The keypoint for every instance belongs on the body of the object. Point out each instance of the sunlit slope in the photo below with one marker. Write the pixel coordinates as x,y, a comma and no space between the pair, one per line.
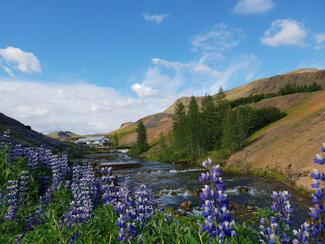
269,85
155,125
162,122
287,146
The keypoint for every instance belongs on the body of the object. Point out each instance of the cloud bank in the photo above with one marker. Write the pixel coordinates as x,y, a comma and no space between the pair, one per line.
79,107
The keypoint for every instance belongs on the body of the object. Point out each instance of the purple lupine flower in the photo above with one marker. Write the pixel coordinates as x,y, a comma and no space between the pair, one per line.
314,228
323,148
127,215
81,188
108,185
303,234
12,200
215,207
276,229
23,187
319,159
144,205
282,207
15,151
32,157
5,139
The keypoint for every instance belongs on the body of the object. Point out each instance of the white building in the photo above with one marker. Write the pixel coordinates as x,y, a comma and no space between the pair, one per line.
94,141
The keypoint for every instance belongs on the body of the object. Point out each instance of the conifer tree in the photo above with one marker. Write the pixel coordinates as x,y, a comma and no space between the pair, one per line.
179,125
142,144
229,130
209,123
221,109
116,141
194,128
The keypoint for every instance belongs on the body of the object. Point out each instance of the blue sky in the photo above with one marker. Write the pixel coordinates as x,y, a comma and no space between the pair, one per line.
88,66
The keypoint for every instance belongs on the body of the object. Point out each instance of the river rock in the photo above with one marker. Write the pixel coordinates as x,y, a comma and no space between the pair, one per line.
250,208
186,206
242,189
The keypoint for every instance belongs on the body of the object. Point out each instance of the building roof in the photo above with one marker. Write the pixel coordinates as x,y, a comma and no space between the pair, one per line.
92,138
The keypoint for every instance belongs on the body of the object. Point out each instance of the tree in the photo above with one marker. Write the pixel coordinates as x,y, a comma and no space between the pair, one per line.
179,125
229,130
162,142
222,107
208,124
142,143
194,128
116,141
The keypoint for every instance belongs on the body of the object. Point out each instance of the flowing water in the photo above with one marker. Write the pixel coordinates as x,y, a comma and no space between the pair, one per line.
176,183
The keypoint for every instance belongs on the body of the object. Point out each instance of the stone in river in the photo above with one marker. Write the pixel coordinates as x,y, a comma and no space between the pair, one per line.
187,205
243,189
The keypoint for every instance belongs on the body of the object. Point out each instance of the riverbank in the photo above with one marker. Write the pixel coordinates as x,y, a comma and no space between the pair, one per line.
242,169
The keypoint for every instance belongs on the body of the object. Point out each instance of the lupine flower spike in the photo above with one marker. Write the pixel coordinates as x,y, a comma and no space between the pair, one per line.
217,218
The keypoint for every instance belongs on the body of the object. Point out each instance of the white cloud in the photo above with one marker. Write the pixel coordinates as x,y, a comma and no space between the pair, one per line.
219,39
247,7
211,69
285,32
79,107
154,18
320,40
12,58
144,91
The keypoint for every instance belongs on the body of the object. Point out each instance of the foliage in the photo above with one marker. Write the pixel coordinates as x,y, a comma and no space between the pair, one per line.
293,88
100,211
287,89
215,125
116,141
142,143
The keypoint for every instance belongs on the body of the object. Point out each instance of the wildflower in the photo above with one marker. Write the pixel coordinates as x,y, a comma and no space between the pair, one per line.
108,187
276,229
127,216
144,205
23,186
81,188
319,159
314,227
217,218
12,200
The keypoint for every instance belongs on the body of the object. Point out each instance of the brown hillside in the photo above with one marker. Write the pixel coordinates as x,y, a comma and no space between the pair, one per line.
162,122
155,125
288,145
269,85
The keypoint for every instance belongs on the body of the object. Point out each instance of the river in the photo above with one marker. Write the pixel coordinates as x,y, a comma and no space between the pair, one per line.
176,183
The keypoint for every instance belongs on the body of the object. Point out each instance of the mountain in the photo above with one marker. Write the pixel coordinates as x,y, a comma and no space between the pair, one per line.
162,122
63,135
25,135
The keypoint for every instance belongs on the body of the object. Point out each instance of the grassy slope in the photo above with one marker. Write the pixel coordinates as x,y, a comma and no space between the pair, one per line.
287,146
161,123
155,124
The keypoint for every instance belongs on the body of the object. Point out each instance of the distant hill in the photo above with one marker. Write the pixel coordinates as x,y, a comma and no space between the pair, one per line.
162,122
63,135
25,135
